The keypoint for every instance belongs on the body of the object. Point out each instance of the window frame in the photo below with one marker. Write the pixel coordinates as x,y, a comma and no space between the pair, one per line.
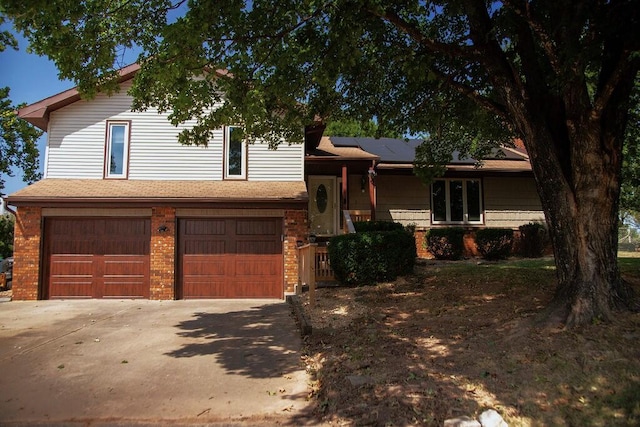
465,203
125,151
227,152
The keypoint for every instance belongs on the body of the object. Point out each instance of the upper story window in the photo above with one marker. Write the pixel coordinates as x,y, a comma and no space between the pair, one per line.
117,150
456,201
235,153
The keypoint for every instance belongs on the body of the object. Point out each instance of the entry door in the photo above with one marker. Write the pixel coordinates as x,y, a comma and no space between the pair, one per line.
323,211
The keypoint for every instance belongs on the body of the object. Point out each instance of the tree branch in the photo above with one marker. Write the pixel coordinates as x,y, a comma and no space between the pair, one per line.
545,41
472,94
503,74
622,68
433,46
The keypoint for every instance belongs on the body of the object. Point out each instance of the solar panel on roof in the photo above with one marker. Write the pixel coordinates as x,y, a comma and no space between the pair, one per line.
404,151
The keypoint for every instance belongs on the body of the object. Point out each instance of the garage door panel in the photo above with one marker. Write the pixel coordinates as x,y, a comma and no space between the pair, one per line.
97,257
210,227
71,276
256,227
72,289
205,265
71,265
73,247
257,268
122,289
125,247
126,227
125,266
206,288
70,227
249,288
245,261
195,247
258,247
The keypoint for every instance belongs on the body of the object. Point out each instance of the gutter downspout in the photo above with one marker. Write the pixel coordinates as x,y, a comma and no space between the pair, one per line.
8,209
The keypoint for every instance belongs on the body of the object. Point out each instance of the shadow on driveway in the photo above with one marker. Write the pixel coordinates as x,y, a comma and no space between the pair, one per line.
250,342
122,362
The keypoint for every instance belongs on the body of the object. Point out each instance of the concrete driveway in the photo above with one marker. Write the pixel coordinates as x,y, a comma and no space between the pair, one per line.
122,362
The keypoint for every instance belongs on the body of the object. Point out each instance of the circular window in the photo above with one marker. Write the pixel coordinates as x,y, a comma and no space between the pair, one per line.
321,198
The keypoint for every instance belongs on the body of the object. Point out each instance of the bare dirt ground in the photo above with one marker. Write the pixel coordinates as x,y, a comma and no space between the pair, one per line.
458,338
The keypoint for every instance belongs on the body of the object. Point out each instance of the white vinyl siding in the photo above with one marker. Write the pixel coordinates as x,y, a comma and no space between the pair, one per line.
283,164
76,146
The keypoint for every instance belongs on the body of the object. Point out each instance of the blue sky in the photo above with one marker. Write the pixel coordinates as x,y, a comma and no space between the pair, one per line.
31,78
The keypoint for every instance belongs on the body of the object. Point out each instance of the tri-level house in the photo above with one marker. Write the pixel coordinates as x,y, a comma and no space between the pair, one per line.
125,211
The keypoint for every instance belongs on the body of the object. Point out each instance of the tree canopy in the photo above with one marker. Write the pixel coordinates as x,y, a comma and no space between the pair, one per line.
6,235
17,138
471,73
355,128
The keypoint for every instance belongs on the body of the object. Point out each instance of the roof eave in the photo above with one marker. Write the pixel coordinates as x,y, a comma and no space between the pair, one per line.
38,113
151,201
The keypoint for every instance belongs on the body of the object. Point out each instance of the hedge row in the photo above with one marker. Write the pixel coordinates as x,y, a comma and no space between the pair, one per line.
382,250
492,243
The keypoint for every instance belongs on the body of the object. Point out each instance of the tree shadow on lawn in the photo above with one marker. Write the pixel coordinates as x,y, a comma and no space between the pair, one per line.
444,343
261,342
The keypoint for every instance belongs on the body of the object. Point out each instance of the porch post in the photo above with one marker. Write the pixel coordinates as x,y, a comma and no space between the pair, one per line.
345,197
373,197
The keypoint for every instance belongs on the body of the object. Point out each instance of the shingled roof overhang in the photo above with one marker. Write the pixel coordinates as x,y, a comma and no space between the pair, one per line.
54,192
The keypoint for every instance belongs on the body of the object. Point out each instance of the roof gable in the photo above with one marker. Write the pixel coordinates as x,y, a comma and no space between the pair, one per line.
38,113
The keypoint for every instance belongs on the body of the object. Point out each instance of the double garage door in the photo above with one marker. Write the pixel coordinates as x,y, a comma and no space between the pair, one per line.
216,258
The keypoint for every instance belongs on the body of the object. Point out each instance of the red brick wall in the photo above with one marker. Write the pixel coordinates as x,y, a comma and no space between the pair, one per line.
296,228
163,249
26,253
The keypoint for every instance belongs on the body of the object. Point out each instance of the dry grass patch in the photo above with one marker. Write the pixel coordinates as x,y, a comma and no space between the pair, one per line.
458,338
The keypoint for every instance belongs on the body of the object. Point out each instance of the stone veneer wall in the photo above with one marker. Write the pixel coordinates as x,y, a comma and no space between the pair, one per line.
26,251
162,254
296,228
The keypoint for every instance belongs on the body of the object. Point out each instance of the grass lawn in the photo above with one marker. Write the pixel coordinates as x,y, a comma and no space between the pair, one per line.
456,338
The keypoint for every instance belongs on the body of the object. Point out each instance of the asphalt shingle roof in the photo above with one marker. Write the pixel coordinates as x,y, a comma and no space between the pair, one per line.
54,189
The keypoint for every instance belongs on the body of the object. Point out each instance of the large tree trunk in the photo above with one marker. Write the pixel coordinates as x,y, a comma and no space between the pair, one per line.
579,190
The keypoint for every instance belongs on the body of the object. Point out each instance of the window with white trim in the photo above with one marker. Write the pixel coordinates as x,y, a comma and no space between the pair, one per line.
235,153
456,201
117,150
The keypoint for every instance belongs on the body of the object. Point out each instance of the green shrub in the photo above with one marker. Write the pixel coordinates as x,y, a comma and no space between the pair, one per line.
373,256
494,243
362,226
533,239
445,243
6,236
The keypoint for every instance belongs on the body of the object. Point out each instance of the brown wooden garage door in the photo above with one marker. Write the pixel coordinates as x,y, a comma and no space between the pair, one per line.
231,258
97,257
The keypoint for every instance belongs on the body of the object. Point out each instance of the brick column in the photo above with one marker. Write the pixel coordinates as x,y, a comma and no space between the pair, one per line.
296,228
163,249
26,253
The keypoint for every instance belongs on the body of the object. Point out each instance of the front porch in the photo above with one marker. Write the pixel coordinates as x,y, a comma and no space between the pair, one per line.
313,258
